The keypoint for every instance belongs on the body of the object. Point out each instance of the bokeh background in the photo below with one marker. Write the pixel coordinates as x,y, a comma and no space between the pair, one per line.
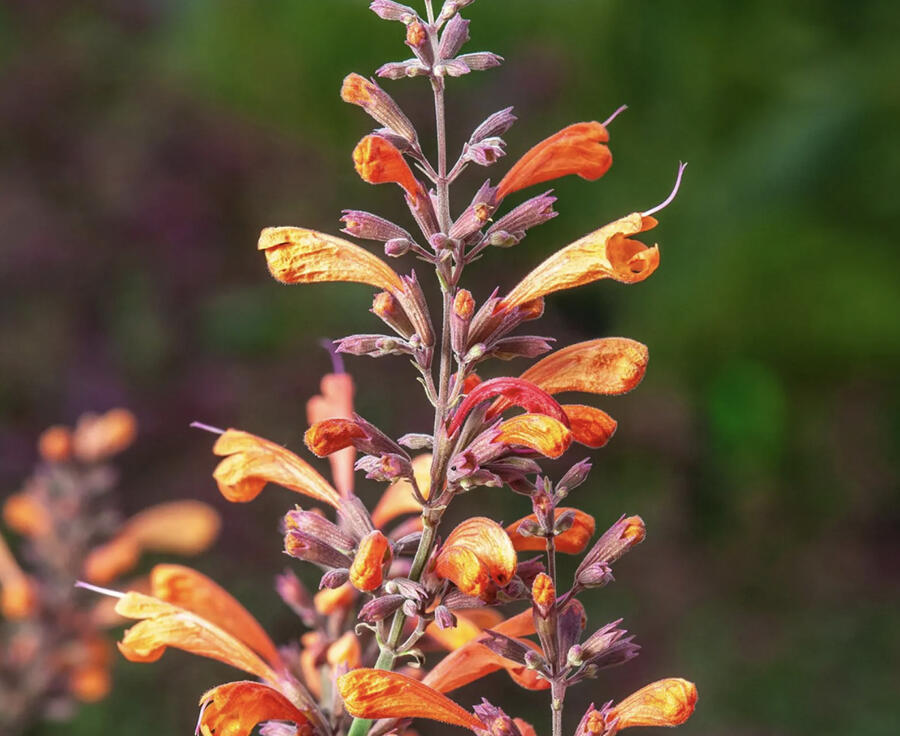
144,144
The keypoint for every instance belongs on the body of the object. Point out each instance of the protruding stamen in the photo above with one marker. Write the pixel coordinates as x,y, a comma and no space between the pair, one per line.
98,589
207,428
616,114
337,362
668,200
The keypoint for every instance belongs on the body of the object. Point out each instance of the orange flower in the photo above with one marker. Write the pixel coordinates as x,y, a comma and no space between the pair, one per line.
163,625
90,684
181,527
369,693
573,541
668,702
328,600
378,161
543,594
478,557
469,625
335,400
87,664
251,462
97,437
193,591
357,90
332,435
235,708
300,256
576,149
591,427
604,253
55,444
27,516
345,650
366,572
538,432
398,499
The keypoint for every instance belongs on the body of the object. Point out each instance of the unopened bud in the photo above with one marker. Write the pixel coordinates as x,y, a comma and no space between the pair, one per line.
564,521
595,576
503,239
528,528
463,309
334,578
494,125
480,60
365,225
389,10
455,34
574,477
444,618
544,595
385,306
410,608
396,247
575,656
533,660
485,152
380,608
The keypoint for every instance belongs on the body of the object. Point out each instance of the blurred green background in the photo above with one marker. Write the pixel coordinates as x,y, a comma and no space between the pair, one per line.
144,144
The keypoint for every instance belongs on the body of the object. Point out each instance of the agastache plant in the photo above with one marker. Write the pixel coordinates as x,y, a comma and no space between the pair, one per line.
391,586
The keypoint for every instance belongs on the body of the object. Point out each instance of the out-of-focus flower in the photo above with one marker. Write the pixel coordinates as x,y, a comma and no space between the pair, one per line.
478,557
18,592
99,436
24,514
55,444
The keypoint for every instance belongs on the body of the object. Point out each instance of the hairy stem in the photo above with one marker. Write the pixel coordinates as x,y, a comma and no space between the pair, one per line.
557,685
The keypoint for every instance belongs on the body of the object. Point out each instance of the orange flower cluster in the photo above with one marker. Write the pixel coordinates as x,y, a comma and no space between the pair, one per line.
397,586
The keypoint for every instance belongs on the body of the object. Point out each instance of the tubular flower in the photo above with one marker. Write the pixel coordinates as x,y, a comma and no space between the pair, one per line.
478,557
366,572
180,527
668,702
27,516
165,625
369,693
378,161
543,434
335,400
235,708
55,444
357,90
193,591
576,149
605,253
345,650
573,541
299,256
251,462
18,594
98,436
513,391
399,498
332,435
590,426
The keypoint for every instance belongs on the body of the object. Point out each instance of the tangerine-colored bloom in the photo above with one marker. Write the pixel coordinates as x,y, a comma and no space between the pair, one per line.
181,527
163,625
18,592
590,426
27,516
469,626
367,570
87,665
605,253
99,436
369,693
335,400
576,149
543,594
573,541
378,161
537,432
329,600
668,702
235,709
478,557
399,499
332,435
514,391
345,650
251,462
193,591
299,256
55,444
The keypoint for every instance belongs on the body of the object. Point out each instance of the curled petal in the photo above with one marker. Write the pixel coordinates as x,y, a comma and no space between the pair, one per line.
374,694
576,149
235,708
537,432
604,253
668,702
478,557
573,541
193,591
251,462
367,570
299,256
399,498
591,427
335,400
165,625
514,391
332,435
378,161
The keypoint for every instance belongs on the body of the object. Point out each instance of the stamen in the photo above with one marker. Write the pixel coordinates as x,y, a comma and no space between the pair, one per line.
612,117
207,428
98,589
668,200
200,718
337,362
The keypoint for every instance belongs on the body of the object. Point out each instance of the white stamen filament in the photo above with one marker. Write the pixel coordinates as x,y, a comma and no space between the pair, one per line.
612,117
98,589
668,200
207,428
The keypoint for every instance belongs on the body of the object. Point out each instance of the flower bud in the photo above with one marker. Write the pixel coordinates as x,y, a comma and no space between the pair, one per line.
307,547
402,69
365,225
480,60
575,656
618,539
455,34
460,317
410,608
496,722
534,661
380,608
358,90
444,618
530,213
494,125
295,595
389,10
386,306
334,579
544,595
367,570
396,247
485,152
574,477
594,576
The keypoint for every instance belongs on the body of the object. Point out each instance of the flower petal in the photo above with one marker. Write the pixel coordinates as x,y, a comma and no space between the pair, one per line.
251,462
367,570
378,161
573,541
469,625
576,149
335,400
473,661
668,702
193,591
604,253
299,256
369,693
537,432
331,435
513,391
590,427
235,708
478,557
